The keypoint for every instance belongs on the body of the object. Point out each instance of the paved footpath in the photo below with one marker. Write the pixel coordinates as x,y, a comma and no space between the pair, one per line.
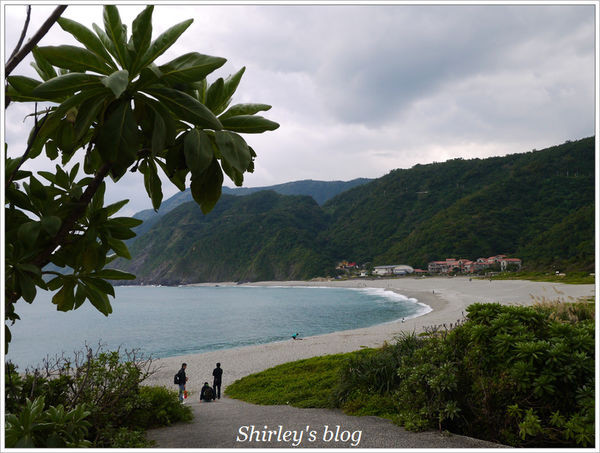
229,423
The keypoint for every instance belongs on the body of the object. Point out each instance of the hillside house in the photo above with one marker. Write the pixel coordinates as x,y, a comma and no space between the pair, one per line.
468,267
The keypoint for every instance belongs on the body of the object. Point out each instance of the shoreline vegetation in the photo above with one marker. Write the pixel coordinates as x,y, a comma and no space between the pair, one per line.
521,376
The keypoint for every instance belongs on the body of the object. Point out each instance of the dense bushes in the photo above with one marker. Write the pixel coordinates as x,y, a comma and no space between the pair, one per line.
521,376
96,401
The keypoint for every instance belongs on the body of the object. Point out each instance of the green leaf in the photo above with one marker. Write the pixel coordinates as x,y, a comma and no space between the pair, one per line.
117,82
163,42
92,258
152,183
206,187
115,207
106,42
98,299
127,222
215,95
86,37
191,67
142,30
164,131
114,274
230,85
119,248
198,151
43,67
118,137
65,138
15,96
116,32
244,109
234,150
65,85
51,150
24,86
65,299
27,287
236,176
249,124
159,134
29,232
99,284
51,224
87,114
74,58
186,107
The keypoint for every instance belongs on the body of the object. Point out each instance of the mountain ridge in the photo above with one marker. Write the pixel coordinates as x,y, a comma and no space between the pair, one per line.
537,205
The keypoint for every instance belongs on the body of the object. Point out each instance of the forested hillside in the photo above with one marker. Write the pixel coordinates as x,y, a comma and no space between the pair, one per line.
321,191
264,236
538,206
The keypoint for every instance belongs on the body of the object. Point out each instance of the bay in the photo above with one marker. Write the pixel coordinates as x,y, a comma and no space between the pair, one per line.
170,321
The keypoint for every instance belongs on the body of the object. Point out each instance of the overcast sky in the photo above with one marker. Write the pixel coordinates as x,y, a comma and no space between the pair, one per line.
360,90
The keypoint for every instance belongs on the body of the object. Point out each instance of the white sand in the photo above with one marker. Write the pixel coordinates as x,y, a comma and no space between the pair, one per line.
448,297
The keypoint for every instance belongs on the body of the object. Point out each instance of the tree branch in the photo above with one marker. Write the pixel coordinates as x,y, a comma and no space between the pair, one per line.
23,33
13,61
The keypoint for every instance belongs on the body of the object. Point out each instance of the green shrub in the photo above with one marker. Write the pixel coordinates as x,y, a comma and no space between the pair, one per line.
108,384
372,371
158,406
521,376
52,428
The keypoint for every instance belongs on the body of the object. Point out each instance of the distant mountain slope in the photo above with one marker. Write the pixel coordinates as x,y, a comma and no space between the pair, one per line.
263,236
321,191
464,208
538,206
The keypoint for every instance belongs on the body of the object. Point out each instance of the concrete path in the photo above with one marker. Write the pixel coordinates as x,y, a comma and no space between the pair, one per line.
229,423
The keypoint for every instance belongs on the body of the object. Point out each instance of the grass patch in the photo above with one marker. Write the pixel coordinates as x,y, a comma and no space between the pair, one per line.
304,383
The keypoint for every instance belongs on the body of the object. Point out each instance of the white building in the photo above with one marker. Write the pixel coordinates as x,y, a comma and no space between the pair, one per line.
393,269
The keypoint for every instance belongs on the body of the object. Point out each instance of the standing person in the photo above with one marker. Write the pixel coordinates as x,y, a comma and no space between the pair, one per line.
181,379
217,375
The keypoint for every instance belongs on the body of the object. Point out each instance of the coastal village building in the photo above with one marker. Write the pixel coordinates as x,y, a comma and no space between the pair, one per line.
468,267
393,269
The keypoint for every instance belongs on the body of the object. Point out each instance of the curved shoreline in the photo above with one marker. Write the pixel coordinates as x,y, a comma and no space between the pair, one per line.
448,298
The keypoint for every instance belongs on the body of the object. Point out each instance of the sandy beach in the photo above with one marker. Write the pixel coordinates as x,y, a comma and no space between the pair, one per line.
448,298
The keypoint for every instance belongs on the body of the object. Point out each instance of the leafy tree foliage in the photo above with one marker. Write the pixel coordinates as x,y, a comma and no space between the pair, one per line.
113,107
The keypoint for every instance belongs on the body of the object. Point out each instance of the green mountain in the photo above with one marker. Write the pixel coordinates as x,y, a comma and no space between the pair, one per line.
321,191
469,208
263,236
538,206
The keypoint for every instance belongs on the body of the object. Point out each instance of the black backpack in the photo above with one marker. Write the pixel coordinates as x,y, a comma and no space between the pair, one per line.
176,379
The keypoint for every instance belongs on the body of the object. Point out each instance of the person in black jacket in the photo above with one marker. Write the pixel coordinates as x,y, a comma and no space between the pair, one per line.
207,394
181,379
217,375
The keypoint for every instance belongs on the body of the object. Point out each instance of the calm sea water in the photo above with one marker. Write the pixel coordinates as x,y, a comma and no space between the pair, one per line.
169,321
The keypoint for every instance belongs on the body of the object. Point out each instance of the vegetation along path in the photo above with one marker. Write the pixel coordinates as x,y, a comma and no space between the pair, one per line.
227,423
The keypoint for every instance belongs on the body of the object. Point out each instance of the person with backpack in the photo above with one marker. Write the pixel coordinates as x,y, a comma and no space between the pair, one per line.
207,394
180,379
217,375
